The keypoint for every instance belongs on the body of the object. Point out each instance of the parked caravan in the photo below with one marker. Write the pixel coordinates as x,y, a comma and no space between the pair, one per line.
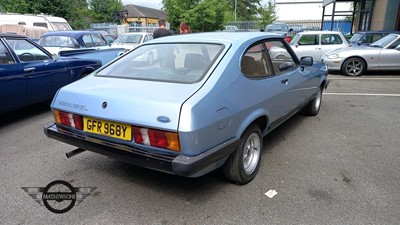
28,31
52,23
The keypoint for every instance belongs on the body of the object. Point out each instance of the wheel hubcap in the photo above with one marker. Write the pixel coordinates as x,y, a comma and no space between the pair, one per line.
318,100
251,153
354,67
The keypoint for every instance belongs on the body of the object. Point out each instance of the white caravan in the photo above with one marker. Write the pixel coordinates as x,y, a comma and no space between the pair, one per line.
52,23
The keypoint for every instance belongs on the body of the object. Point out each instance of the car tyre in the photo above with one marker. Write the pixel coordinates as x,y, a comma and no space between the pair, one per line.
312,108
354,67
242,165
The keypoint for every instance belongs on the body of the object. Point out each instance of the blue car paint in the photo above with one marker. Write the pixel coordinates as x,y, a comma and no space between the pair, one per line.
25,83
208,115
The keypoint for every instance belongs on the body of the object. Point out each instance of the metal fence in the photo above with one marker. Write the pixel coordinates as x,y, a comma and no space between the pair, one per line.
338,25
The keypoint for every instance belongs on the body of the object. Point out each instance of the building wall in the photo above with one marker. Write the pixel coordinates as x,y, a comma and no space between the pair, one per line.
385,14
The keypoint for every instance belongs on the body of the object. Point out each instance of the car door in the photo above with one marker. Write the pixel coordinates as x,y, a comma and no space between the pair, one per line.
389,58
308,45
296,79
43,75
12,80
330,42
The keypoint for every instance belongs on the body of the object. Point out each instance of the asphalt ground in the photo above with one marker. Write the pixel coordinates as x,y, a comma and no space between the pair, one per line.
340,167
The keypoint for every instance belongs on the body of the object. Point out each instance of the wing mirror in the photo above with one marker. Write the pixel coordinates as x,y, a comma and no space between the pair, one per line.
55,57
398,47
306,61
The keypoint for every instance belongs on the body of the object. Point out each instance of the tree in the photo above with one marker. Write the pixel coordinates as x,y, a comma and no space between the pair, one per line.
104,10
267,14
201,15
13,6
245,9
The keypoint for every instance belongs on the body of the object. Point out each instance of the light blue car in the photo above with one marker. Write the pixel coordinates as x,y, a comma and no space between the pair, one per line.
200,102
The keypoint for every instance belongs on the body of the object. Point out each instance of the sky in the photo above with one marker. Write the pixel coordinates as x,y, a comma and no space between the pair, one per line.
285,12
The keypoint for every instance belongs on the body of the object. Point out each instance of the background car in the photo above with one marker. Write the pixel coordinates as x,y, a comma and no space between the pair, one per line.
29,74
365,38
206,103
80,44
296,28
280,28
383,54
132,40
317,43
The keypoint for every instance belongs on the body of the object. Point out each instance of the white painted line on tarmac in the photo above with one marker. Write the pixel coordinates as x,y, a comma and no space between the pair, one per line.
360,94
363,78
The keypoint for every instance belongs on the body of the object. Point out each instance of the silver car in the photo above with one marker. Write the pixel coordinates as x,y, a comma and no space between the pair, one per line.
383,54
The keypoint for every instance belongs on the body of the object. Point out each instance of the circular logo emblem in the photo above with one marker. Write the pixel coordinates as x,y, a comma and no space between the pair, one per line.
104,105
59,196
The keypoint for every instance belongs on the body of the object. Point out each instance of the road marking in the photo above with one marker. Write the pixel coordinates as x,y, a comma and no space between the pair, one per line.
361,94
363,78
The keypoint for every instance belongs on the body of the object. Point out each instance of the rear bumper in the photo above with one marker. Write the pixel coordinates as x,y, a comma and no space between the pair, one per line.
190,166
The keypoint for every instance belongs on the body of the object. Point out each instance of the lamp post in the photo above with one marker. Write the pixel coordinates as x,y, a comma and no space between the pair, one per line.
235,9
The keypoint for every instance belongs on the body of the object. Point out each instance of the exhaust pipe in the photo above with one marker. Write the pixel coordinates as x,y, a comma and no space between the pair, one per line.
74,152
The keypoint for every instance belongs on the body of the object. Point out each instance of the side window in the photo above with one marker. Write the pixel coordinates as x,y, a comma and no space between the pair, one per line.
40,25
309,39
395,44
5,56
98,40
87,39
254,63
367,38
281,59
26,51
376,37
146,38
331,39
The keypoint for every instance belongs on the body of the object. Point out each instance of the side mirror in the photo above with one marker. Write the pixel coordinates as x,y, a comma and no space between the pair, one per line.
306,61
398,47
296,45
291,29
55,57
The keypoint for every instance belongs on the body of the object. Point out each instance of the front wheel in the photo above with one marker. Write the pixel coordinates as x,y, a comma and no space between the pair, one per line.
242,165
354,67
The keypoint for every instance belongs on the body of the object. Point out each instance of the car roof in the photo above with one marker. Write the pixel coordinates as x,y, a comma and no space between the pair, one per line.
69,33
378,31
11,35
133,33
217,37
320,32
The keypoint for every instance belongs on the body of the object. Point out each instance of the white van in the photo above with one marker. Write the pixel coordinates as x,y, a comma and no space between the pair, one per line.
52,23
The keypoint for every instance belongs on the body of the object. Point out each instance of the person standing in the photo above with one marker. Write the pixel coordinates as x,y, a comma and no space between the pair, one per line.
184,29
162,30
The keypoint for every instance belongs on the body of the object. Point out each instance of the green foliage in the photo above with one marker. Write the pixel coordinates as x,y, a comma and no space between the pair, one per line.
15,6
245,9
267,14
104,10
200,15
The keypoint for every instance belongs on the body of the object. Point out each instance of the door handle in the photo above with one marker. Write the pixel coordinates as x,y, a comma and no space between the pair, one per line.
29,69
285,81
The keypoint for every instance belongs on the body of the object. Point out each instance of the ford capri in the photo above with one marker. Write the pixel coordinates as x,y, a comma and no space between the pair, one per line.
29,74
205,103
384,54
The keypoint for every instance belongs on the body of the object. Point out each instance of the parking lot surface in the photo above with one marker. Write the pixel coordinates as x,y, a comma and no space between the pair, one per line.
340,167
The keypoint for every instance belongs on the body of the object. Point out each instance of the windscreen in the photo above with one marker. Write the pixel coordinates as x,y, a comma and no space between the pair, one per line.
166,62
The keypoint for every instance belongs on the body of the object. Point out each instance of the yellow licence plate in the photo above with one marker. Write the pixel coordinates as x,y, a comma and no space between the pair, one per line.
107,128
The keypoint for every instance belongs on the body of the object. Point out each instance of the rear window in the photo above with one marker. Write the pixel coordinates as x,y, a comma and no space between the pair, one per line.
177,62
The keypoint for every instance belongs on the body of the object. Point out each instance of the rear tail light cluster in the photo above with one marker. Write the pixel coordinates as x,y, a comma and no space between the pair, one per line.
68,119
156,138
145,136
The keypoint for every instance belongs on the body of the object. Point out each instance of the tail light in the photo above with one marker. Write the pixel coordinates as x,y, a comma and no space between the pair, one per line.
68,119
157,138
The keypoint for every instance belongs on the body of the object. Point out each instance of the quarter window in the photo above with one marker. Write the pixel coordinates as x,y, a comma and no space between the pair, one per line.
254,63
5,56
